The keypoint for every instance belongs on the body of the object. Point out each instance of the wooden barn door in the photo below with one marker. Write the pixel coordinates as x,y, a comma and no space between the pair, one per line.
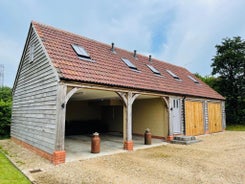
194,122
214,117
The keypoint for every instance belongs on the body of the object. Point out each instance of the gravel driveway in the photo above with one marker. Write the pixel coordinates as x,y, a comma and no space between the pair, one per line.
218,158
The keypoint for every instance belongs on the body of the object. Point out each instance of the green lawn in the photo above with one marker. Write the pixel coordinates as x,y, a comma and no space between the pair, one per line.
9,174
236,127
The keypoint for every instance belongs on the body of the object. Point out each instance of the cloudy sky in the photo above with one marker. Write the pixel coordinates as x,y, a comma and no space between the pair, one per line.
182,32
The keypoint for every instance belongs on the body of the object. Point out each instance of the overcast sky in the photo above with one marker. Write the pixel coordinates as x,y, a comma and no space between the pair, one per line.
182,32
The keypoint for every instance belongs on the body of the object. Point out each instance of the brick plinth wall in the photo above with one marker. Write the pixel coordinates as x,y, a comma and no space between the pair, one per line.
57,157
170,138
128,145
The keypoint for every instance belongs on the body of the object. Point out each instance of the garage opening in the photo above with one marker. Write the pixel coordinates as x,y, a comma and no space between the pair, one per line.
98,115
89,111
150,112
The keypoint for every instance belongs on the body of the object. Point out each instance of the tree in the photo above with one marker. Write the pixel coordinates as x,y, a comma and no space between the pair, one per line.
5,94
229,65
5,111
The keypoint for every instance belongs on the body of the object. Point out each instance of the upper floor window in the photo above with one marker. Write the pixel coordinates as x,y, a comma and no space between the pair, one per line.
80,51
32,50
173,75
193,79
154,70
129,64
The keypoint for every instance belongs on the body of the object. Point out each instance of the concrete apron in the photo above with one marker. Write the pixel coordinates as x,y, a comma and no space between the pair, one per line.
78,147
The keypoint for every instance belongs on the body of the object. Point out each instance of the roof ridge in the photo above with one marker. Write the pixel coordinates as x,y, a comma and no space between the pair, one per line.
70,33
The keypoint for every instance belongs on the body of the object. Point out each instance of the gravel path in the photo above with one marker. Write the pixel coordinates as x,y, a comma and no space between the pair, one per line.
218,158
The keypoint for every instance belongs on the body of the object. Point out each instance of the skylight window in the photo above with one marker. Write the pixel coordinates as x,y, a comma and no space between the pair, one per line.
173,75
80,51
154,70
129,64
193,79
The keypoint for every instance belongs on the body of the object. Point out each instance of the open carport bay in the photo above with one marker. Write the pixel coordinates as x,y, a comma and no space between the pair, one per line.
101,111
90,111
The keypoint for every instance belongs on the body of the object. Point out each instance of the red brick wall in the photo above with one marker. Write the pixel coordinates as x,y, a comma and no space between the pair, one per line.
128,145
57,157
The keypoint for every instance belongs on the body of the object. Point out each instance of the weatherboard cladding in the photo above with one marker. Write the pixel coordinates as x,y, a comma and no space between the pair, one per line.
34,99
108,68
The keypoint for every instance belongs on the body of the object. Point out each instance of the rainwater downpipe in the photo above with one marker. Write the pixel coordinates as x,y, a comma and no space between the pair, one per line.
183,112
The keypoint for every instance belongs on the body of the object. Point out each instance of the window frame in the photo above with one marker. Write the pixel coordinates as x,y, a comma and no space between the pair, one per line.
176,77
153,69
81,52
193,79
129,64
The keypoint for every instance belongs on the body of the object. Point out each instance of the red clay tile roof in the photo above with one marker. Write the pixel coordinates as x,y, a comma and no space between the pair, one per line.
108,68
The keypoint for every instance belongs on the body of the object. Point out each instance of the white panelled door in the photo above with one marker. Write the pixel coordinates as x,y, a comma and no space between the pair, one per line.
175,115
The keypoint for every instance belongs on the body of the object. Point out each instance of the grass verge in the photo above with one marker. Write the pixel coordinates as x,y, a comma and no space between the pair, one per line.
235,127
9,173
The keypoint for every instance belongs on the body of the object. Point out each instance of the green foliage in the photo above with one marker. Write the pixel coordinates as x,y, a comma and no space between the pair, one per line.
9,174
5,111
229,65
5,94
236,127
212,81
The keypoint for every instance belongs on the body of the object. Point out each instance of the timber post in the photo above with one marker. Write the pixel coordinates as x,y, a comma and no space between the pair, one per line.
128,99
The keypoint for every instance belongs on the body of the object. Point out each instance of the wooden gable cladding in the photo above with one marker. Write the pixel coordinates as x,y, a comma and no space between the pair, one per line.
35,98
214,117
194,118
